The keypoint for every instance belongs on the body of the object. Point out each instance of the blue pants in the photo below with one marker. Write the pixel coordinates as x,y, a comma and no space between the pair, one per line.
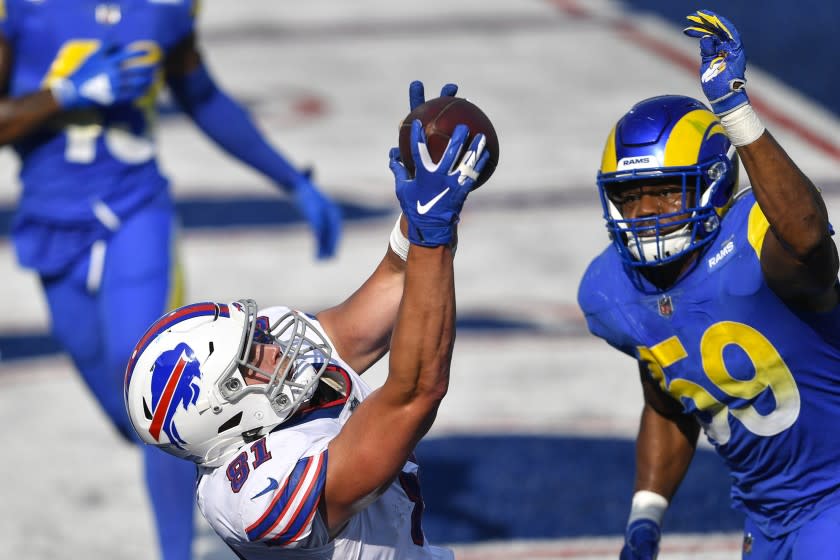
98,325
818,539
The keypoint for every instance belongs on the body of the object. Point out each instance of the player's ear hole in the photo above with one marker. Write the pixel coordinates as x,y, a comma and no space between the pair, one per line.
146,412
232,423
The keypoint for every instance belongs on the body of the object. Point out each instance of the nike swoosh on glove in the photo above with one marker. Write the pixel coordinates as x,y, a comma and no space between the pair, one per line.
432,200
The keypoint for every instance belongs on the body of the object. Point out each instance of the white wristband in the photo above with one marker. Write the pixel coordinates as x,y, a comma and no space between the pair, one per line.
647,505
742,126
399,242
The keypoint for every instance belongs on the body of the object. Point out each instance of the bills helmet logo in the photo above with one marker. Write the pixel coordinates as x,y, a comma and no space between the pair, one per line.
174,383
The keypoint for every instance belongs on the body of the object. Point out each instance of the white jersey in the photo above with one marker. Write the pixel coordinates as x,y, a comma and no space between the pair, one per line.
263,501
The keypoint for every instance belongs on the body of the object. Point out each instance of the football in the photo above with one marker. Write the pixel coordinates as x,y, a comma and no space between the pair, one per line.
439,117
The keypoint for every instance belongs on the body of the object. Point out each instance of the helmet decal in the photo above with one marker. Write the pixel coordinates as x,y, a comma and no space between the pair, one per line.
185,390
676,140
167,321
174,379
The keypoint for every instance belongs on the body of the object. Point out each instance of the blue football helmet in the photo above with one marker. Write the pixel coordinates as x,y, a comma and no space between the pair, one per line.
670,137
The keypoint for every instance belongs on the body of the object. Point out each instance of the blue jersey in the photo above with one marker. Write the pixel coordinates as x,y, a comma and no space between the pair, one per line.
761,378
82,160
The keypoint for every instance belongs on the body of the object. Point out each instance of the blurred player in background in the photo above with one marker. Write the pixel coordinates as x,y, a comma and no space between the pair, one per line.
297,456
79,82
728,300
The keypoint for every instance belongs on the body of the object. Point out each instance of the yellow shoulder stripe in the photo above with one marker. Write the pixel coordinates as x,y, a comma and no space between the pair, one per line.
757,226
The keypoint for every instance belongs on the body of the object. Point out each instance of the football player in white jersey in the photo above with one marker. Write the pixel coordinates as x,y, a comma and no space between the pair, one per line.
297,457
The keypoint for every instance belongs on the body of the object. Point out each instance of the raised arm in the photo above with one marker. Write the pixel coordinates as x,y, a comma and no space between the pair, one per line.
378,438
361,326
798,256
664,449
224,121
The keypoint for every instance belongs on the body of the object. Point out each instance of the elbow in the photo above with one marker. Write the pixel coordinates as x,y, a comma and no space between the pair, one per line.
821,255
809,240
433,390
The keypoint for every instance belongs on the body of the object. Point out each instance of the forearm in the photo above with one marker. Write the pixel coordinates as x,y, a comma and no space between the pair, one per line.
230,126
664,449
424,336
361,326
23,115
375,442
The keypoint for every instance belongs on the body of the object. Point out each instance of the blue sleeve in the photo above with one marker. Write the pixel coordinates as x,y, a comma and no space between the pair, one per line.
7,10
600,310
230,126
177,21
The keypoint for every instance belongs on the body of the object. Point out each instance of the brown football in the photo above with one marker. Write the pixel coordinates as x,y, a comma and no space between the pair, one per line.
439,117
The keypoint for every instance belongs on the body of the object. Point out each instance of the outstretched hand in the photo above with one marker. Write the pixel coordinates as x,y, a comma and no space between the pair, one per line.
417,93
109,76
432,200
323,215
723,61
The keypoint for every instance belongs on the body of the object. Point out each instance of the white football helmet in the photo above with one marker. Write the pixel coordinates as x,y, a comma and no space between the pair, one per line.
184,388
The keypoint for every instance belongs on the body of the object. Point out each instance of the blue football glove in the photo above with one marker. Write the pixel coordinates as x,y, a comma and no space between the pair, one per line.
417,94
109,76
723,61
323,215
433,198
641,540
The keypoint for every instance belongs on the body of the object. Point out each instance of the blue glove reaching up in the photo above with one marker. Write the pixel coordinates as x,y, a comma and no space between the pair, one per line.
417,94
723,61
641,540
433,198
109,76
323,215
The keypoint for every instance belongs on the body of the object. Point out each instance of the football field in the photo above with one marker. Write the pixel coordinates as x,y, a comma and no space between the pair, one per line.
531,456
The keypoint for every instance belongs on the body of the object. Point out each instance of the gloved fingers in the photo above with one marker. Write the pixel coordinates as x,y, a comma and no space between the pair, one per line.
483,158
450,158
416,94
449,90
324,222
419,148
709,23
135,84
723,26
472,163
138,76
125,57
709,46
329,230
396,165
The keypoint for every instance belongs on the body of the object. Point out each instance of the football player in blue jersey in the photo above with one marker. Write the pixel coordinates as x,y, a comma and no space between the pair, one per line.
727,298
78,82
